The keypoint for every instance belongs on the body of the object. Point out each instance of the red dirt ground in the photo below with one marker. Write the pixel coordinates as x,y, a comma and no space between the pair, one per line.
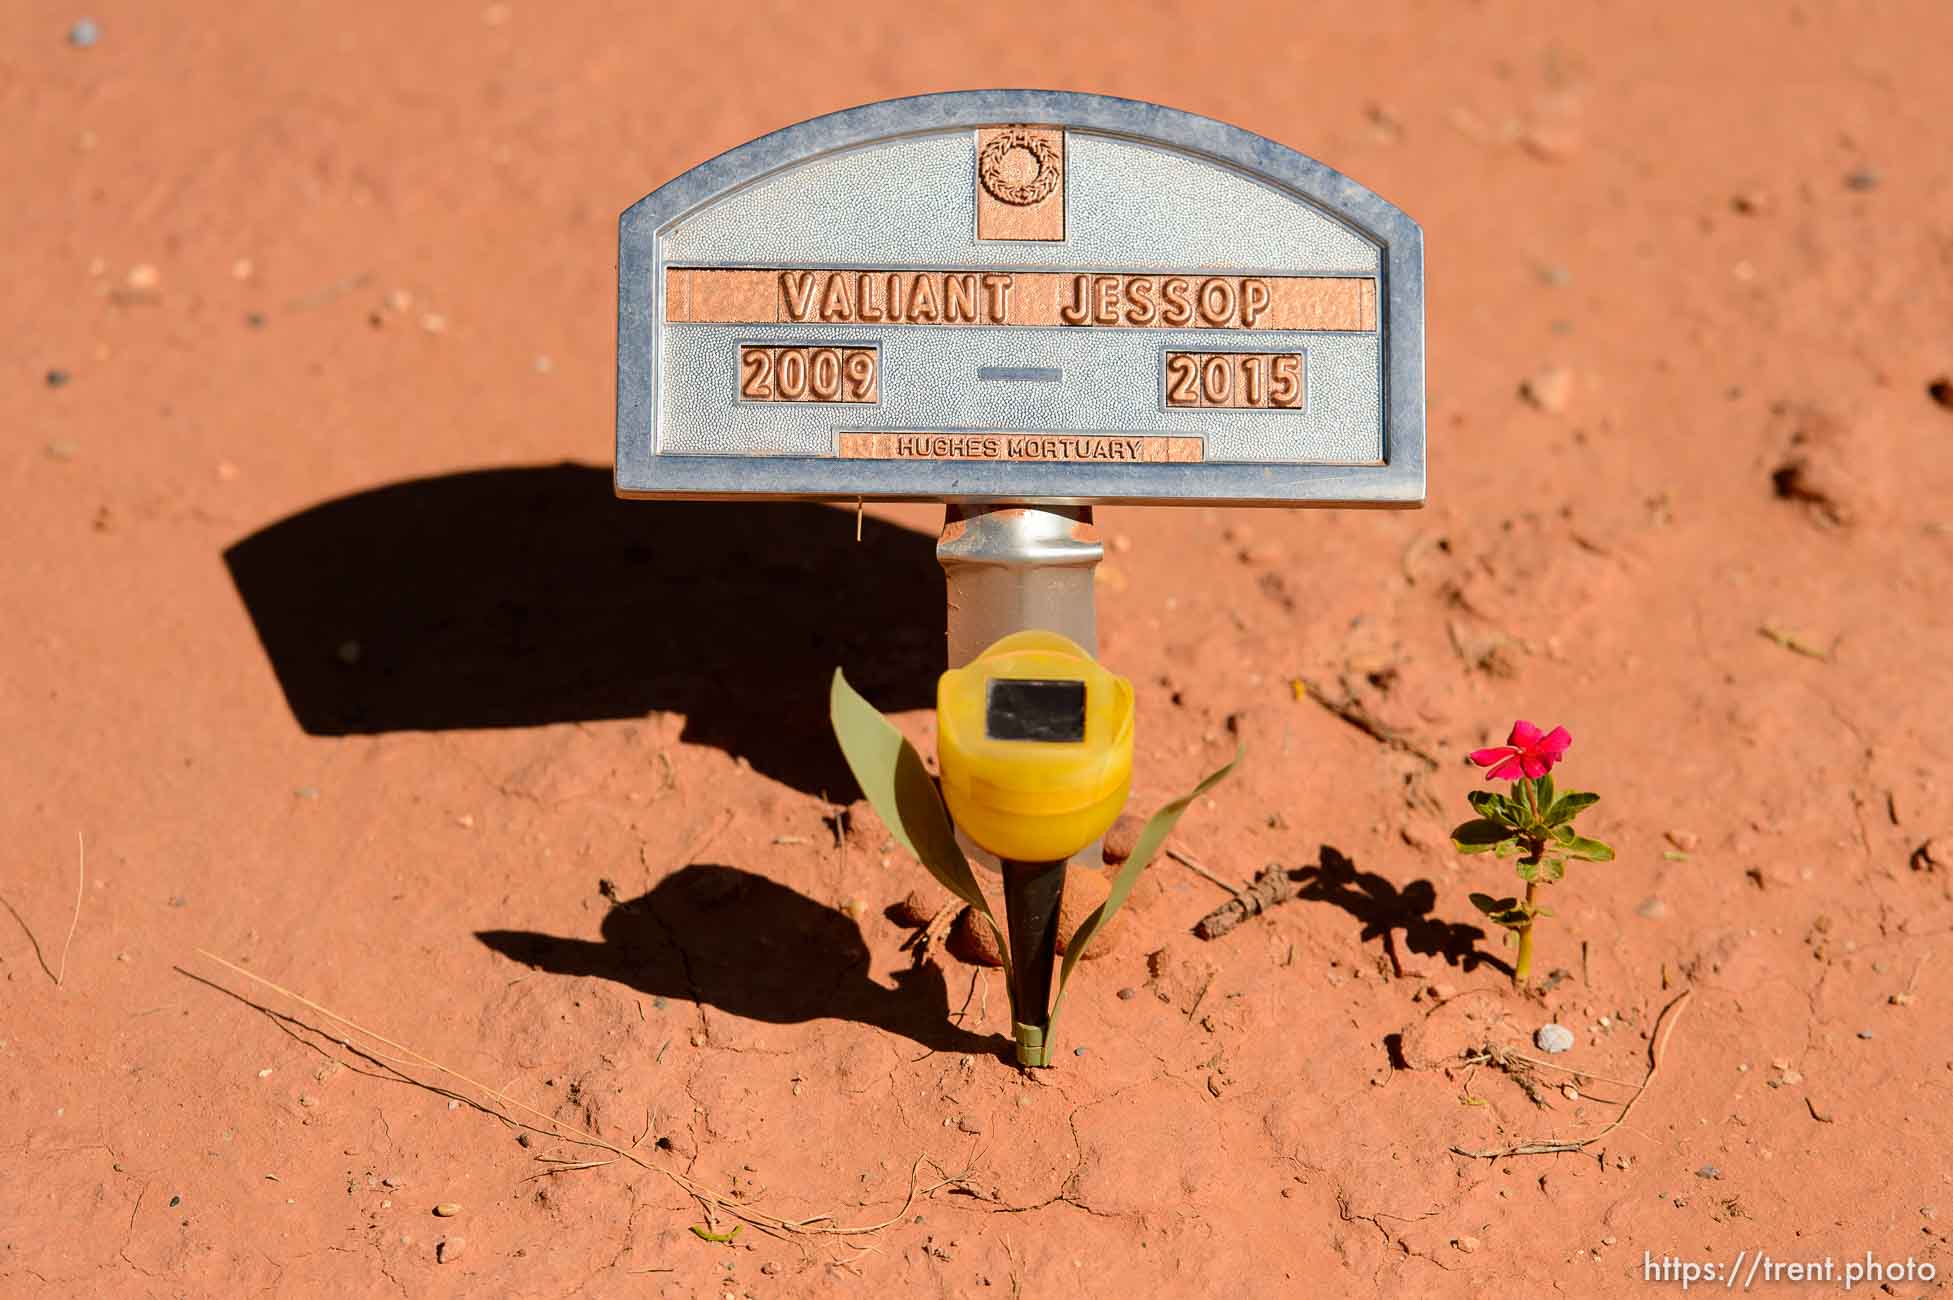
318,623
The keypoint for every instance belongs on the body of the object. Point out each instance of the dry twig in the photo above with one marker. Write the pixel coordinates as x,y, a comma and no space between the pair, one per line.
549,1126
1657,1048
1191,863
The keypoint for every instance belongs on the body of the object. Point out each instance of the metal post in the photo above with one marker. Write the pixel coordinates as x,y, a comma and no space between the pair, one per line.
1016,567
1010,568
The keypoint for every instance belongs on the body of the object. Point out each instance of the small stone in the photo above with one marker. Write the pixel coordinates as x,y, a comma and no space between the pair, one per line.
771,1268
307,1099
57,378
1553,1038
446,1210
1792,1077
84,33
1941,391
1120,841
914,909
1901,999
1780,1063
1441,992
449,1249
1550,390
390,1181
1865,1033
855,908
1609,1240
972,940
1465,1244
970,1124
242,269
1862,179
143,278
1128,994
1708,1172
1686,841
1570,1092
1651,908
1078,1051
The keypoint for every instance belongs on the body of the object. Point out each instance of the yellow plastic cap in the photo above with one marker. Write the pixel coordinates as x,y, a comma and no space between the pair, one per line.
1030,772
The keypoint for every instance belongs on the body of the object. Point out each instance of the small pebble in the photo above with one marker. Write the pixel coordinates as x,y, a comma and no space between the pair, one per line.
446,1210
175,1201
390,1181
1708,1171
1553,1038
1901,999
450,1248
84,33
1862,179
1466,1244
1652,909
1079,1051
1550,390
57,378
771,1268
970,1124
1127,995
143,277
1864,1033
1570,1092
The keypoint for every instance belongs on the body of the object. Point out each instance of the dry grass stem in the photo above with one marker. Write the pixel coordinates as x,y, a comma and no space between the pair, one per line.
1657,1049
549,1126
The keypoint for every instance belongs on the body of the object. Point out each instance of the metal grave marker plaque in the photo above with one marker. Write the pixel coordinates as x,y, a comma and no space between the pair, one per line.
1023,296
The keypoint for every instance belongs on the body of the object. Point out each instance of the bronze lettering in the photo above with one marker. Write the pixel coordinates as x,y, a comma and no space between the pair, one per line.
1140,309
1105,299
1177,308
997,289
797,293
1077,311
1217,301
835,303
922,301
867,305
896,311
1254,301
959,298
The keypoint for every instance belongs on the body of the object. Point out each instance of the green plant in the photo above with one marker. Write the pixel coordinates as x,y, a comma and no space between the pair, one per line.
1533,824
902,792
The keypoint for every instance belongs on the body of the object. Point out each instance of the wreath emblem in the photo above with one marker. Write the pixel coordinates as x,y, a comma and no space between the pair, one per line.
990,168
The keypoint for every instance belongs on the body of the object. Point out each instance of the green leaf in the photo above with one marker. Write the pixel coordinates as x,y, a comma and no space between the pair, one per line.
1494,807
1507,848
898,786
1508,912
1479,835
1589,850
1528,871
1568,806
1555,869
1543,791
1564,834
1151,836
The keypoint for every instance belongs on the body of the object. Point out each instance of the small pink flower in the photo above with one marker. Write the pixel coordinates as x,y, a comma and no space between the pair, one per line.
1526,753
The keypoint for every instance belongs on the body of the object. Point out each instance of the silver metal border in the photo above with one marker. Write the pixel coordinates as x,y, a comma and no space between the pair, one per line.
1398,482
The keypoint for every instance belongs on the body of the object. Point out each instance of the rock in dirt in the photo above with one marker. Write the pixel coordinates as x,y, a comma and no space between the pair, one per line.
920,906
1941,391
1934,854
446,1210
972,940
1553,1038
449,1249
1817,469
1550,390
1122,838
1085,892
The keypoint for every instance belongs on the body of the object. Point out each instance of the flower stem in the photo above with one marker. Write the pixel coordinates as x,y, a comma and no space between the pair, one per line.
1522,965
